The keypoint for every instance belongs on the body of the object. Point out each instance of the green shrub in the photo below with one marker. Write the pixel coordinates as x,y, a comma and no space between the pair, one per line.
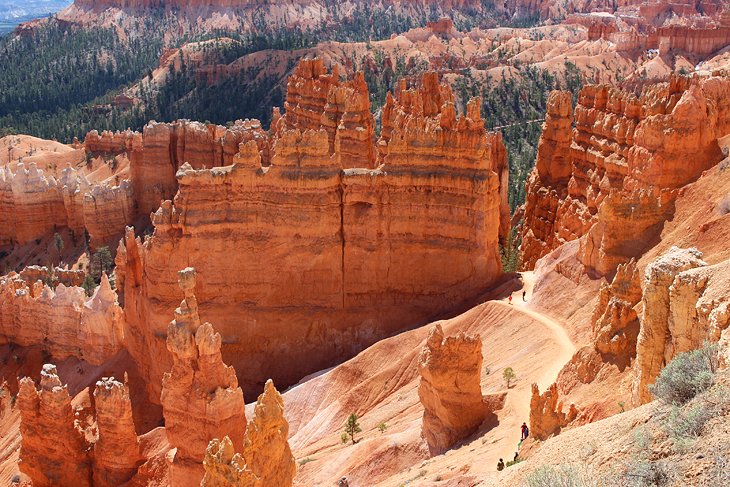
561,476
687,375
645,473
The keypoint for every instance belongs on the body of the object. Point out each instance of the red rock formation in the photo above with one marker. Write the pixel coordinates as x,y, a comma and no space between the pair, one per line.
67,277
64,321
107,211
224,467
326,253
699,308
54,451
353,144
109,142
162,149
615,322
628,157
266,446
266,458
450,389
547,185
655,329
318,100
40,204
200,397
116,451
674,142
546,413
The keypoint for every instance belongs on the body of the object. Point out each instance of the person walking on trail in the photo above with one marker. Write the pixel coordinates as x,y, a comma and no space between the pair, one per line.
510,299
500,465
525,431
343,482
524,293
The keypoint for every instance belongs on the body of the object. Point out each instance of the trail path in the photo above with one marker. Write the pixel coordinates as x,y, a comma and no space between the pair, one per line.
518,399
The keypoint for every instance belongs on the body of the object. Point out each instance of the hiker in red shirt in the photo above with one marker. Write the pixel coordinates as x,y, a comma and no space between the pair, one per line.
525,431
510,299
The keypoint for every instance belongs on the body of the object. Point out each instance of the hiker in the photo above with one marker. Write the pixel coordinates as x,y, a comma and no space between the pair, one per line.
525,431
524,293
515,458
343,482
500,465
510,299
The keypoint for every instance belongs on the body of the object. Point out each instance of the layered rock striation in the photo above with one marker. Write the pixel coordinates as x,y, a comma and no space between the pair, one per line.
450,389
629,156
332,258
34,204
63,320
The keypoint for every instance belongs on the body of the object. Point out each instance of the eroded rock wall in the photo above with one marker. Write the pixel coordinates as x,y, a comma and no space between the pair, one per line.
629,156
654,336
38,205
63,320
331,258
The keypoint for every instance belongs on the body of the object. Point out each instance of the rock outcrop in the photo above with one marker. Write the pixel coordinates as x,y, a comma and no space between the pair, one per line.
547,417
54,451
450,389
547,185
651,350
162,148
699,301
200,397
116,451
266,458
629,156
615,322
333,259
36,204
63,320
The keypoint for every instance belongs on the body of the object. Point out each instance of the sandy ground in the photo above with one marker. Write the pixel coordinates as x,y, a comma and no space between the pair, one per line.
381,383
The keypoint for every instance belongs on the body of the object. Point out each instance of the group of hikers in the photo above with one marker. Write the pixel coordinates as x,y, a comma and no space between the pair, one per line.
525,433
524,297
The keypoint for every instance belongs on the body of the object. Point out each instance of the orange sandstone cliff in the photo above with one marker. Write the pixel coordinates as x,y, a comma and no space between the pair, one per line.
628,157
331,257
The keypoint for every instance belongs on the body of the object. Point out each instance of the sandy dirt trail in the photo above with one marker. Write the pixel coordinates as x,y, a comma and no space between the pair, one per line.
518,399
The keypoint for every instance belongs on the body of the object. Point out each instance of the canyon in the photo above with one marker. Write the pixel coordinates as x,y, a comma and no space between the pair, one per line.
202,304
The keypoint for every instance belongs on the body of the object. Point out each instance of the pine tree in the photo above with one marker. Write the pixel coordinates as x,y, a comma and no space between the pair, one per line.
352,427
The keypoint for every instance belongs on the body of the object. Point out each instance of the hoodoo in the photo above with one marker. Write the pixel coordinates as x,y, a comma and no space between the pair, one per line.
200,398
449,390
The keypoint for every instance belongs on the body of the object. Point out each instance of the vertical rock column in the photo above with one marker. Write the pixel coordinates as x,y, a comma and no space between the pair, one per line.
450,390
266,460
53,451
654,333
200,397
116,452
